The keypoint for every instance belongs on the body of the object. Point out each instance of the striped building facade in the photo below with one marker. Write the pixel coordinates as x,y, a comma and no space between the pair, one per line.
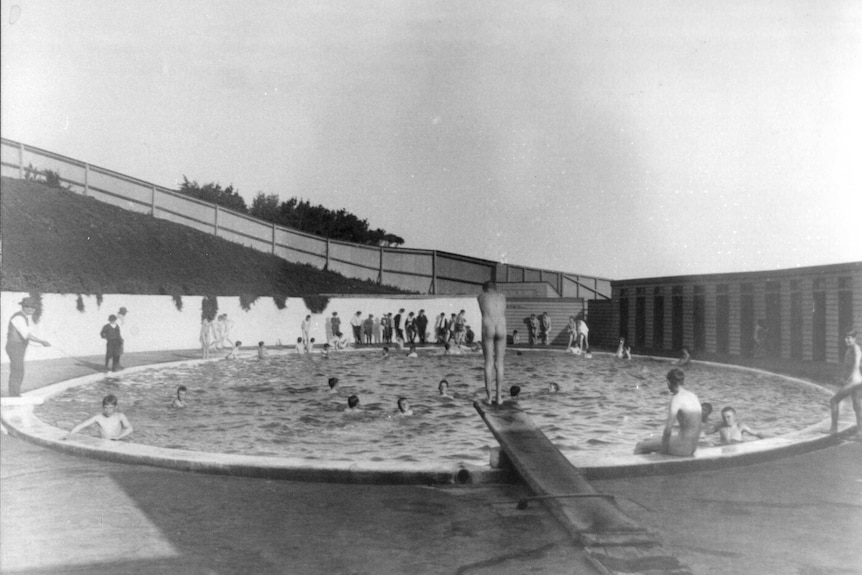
805,312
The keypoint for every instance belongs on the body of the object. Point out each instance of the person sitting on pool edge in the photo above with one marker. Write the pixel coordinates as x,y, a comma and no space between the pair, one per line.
112,424
180,399
404,406
685,408
731,430
234,351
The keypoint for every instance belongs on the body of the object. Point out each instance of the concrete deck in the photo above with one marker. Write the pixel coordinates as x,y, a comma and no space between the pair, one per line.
64,514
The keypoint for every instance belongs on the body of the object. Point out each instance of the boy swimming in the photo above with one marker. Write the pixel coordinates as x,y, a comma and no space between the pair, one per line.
180,399
112,424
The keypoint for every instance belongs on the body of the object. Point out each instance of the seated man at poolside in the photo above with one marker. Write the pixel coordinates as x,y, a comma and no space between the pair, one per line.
731,430
404,406
112,424
684,408
180,399
492,304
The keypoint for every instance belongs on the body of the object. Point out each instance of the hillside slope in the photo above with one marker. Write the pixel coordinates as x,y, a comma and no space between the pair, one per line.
56,241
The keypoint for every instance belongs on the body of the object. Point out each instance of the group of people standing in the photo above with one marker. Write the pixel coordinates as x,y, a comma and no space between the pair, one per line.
539,329
215,335
408,328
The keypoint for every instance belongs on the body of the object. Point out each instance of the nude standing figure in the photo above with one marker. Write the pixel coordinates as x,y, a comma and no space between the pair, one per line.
493,306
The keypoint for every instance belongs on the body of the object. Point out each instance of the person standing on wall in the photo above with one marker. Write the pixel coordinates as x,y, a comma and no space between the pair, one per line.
422,326
19,335
114,343
399,333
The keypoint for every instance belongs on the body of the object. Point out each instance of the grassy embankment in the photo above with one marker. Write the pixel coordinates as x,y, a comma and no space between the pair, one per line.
56,241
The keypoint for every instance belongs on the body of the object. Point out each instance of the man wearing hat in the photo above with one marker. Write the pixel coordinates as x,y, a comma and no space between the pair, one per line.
17,339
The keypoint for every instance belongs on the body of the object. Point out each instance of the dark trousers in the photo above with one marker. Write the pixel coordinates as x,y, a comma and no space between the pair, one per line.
112,352
16,352
357,333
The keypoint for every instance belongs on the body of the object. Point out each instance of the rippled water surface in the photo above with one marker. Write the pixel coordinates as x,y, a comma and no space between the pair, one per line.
281,405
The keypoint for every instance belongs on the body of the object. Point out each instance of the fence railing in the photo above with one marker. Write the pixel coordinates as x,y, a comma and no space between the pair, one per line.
423,271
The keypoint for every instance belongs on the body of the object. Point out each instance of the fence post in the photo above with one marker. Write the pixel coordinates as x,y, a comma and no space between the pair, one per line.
380,270
273,238
20,160
153,201
86,179
326,265
215,225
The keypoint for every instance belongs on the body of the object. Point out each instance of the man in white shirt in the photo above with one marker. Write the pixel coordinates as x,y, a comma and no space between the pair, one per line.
18,337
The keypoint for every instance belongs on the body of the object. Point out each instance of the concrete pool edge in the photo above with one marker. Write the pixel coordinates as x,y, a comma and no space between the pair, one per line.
19,418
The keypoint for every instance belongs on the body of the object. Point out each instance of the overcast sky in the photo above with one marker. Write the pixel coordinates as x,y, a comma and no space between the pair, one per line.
621,139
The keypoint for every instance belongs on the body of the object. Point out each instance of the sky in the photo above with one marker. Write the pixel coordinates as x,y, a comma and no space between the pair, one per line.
620,139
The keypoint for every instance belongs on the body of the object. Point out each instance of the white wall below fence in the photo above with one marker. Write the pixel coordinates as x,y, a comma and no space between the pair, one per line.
154,323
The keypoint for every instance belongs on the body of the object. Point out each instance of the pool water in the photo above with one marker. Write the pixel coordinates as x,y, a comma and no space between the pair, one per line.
281,405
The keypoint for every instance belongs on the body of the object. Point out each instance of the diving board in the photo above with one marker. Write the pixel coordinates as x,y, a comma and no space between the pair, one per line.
613,542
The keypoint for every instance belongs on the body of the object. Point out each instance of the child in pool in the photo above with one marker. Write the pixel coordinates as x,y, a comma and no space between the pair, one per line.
112,424
180,399
353,404
261,351
412,352
234,352
443,388
333,384
404,406
624,351
300,346
731,430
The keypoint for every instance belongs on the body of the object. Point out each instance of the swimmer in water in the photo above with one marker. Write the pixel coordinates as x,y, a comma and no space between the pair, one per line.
492,304
554,387
333,384
353,403
515,391
684,358
623,351
261,351
325,351
443,388
731,430
412,352
180,399
684,408
300,346
404,406
112,424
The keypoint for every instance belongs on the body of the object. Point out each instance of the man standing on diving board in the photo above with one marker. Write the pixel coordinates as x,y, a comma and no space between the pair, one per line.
493,306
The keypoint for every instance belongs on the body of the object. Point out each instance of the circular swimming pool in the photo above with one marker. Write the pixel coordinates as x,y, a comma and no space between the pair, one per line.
282,405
